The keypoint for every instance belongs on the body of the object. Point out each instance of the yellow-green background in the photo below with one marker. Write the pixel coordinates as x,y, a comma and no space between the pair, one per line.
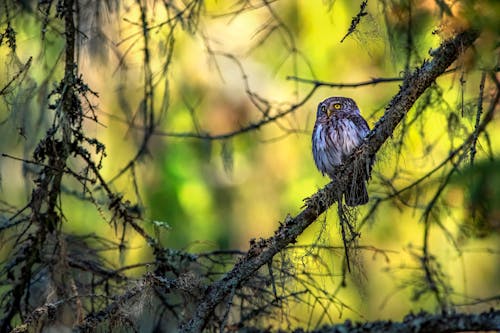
183,181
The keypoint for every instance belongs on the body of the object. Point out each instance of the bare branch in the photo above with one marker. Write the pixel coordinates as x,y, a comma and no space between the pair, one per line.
356,19
422,322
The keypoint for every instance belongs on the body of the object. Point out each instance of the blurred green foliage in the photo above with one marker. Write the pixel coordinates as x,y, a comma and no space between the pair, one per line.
481,184
218,194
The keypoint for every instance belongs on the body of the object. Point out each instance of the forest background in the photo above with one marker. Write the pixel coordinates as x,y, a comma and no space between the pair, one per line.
152,149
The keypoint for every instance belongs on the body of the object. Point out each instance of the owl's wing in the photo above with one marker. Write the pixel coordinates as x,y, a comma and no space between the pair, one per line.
363,130
360,123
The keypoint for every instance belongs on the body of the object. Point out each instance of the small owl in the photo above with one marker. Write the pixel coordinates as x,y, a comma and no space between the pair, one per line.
339,128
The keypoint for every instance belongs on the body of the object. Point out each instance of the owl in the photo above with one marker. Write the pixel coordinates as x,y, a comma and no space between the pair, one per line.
339,128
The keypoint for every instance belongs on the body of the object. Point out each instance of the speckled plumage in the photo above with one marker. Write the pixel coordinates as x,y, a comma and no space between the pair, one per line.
339,128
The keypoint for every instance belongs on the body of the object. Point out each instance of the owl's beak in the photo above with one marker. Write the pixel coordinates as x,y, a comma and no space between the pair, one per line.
329,112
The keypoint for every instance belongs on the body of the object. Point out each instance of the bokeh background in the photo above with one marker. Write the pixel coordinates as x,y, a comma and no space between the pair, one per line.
200,194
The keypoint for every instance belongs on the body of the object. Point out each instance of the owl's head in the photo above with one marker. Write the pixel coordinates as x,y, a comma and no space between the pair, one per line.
332,105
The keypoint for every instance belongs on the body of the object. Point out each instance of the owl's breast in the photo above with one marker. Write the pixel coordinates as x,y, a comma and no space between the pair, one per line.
347,135
335,140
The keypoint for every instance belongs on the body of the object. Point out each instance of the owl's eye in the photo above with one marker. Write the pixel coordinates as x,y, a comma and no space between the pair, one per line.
337,106
323,108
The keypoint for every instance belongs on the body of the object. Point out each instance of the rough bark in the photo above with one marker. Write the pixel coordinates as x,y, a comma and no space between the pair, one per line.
421,323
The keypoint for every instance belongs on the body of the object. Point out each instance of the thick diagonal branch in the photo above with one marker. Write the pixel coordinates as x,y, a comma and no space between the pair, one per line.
263,251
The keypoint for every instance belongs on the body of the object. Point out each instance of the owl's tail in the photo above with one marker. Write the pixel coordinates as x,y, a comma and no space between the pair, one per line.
356,194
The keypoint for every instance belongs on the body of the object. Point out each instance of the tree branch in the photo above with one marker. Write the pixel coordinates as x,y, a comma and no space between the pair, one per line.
422,323
263,251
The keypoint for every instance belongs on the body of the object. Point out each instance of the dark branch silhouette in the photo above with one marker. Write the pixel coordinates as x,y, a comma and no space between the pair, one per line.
421,322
